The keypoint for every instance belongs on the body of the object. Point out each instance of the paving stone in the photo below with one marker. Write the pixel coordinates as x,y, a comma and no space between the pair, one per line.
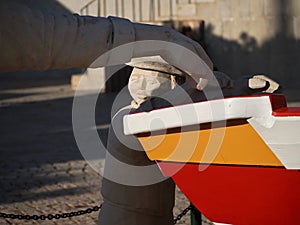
45,180
57,181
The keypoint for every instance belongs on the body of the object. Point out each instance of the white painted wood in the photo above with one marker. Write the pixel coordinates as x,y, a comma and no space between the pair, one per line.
197,113
282,135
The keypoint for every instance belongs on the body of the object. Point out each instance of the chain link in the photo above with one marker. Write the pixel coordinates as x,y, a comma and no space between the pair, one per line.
50,216
71,214
182,214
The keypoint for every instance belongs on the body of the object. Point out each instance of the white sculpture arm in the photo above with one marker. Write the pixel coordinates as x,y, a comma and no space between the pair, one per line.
34,40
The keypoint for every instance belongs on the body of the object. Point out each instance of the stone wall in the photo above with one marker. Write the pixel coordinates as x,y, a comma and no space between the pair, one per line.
244,37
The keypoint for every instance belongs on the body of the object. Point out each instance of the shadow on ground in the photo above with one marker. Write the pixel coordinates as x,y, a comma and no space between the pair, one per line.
37,144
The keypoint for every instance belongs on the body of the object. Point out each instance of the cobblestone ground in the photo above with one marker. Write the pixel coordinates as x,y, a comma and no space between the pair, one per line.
41,168
25,189
49,188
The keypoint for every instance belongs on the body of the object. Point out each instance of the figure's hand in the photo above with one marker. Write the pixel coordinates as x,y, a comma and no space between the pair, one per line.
183,53
162,33
263,82
153,47
248,85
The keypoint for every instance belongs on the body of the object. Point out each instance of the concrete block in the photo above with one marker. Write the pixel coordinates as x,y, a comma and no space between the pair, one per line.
228,29
235,8
75,80
268,26
186,10
213,29
269,7
244,8
296,27
259,28
218,28
289,7
183,1
248,42
207,11
225,9
92,10
91,80
164,8
287,27
243,32
74,5
257,8
294,7
145,10
110,9
130,10
272,8
204,1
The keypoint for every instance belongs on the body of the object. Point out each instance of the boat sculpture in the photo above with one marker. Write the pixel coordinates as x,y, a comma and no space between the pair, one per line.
236,159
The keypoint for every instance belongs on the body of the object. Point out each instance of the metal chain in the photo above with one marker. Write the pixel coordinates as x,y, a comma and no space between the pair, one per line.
182,214
50,216
72,214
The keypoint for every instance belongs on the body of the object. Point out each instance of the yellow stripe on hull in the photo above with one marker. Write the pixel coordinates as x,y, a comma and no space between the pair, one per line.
233,145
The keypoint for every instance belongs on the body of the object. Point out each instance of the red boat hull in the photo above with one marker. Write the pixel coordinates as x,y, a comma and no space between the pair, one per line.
240,195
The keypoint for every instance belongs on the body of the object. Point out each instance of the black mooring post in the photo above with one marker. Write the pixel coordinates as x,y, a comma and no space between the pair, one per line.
196,218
